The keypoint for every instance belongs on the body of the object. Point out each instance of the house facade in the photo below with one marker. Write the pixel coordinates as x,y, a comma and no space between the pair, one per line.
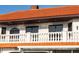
49,29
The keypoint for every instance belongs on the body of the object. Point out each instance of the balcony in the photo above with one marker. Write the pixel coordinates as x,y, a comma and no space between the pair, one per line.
40,37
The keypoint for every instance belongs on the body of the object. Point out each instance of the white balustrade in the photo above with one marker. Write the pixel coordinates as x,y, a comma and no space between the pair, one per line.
55,36
13,38
45,37
34,36
69,36
41,37
3,38
73,36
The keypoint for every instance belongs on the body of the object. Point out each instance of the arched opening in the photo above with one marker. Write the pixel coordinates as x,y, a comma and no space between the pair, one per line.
14,31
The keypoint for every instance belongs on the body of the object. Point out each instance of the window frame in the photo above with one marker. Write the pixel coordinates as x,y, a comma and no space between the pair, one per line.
70,28
3,31
32,29
55,28
14,32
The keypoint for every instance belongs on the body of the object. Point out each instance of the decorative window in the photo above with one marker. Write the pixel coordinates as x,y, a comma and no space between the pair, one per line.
3,30
14,31
56,28
32,29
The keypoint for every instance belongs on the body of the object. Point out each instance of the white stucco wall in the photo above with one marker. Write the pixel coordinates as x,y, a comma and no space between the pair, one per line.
43,27
75,24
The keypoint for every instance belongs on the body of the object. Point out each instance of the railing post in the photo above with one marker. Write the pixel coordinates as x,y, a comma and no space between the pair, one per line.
73,36
28,39
7,38
64,36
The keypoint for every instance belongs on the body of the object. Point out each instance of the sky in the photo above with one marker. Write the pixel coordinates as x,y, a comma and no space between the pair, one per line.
12,8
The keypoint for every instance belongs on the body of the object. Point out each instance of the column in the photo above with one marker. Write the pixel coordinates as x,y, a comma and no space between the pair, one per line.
43,30
7,33
65,27
22,34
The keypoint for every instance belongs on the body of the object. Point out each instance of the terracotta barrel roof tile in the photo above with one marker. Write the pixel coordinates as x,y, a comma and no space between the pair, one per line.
28,14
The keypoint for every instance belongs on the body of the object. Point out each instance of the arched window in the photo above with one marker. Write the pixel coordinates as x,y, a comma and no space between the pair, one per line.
14,31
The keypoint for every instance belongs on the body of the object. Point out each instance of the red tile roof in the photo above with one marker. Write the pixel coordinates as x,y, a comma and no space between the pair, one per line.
36,13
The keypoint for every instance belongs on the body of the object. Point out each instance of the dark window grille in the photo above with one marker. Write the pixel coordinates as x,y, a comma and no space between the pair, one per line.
69,26
14,31
56,28
3,30
32,29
